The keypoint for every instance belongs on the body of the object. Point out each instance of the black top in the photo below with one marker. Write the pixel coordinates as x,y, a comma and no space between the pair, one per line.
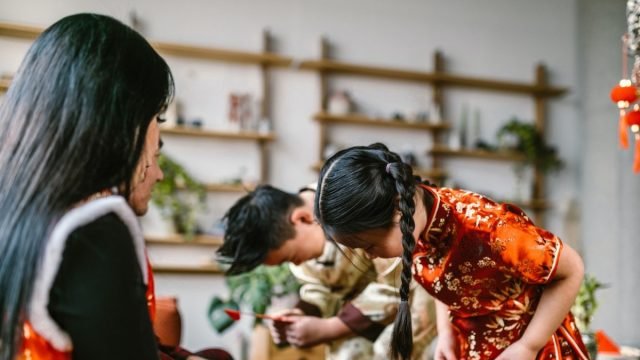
99,297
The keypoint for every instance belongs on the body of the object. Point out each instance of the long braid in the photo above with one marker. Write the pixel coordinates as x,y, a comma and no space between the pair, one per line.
402,338
361,188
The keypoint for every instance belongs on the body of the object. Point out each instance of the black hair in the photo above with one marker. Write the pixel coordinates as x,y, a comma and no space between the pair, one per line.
361,188
256,224
73,123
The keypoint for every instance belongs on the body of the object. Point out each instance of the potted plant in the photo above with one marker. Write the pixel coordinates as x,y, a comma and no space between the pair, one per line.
524,138
583,309
255,289
178,196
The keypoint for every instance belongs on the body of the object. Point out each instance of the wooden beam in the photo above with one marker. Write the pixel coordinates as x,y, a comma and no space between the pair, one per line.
219,134
427,77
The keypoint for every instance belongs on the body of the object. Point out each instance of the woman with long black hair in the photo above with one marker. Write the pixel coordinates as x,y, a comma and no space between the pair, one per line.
503,286
78,143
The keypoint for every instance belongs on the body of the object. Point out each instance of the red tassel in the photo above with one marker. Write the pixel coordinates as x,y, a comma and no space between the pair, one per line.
622,130
636,158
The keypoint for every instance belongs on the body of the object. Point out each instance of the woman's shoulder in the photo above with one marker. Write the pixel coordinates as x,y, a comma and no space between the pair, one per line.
109,222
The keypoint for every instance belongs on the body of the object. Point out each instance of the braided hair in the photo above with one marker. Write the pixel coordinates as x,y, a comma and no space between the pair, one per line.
361,188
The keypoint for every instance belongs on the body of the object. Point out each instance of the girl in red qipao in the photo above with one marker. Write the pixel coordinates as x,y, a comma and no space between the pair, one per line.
503,286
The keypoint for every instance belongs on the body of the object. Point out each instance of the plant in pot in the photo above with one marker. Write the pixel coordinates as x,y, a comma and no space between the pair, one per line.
583,310
524,138
256,290
178,196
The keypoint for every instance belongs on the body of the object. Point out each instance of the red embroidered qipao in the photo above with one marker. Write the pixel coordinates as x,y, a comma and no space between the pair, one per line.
489,264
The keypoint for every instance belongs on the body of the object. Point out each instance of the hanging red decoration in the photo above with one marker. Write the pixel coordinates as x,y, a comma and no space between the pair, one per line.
623,95
633,120
627,93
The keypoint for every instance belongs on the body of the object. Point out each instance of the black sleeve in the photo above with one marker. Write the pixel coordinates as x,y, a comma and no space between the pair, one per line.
98,296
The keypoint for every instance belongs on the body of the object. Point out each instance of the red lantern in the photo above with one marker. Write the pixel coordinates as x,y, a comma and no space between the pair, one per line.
633,120
623,95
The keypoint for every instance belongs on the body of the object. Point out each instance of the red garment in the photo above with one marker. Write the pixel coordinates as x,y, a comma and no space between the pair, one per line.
36,347
489,263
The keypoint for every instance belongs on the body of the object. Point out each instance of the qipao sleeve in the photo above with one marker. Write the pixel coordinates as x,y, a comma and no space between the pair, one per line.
525,250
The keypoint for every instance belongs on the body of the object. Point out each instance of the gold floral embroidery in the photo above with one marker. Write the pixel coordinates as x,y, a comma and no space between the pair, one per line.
465,268
437,285
486,262
482,279
498,245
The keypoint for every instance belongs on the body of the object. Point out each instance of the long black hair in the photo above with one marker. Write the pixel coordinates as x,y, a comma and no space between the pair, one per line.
256,224
361,188
73,123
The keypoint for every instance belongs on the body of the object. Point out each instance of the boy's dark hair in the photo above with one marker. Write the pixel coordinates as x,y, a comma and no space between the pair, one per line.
359,189
256,224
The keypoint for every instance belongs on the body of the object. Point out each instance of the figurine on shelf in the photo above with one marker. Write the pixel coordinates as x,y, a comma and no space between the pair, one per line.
436,113
421,117
340,103
239,111
196,123
397,116
464,124
264,125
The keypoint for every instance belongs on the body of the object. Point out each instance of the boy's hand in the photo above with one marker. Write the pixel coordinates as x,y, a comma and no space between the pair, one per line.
278,328
307,331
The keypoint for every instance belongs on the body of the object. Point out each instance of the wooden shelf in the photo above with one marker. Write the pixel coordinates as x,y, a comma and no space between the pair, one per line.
478,154
4,84
208,53
222,187
429,77
435,174
179,240
356,119
19,31
227,188
219,134
187,270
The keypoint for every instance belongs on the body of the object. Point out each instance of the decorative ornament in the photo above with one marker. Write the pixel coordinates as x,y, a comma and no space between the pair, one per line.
626,93
623,95
633,120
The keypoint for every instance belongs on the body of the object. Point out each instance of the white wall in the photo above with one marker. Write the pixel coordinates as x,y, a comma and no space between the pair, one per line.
611,191
492,38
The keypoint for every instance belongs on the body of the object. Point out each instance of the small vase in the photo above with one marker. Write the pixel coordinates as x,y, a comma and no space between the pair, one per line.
589,340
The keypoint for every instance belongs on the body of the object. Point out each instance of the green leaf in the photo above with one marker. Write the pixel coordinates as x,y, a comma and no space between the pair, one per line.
178,196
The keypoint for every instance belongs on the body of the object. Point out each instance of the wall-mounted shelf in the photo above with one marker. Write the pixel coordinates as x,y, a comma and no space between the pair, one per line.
180,240
187,270
19,31
356,119
439,80
193,51
208,53
477,154
227,188
430,77
4,84
218,134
